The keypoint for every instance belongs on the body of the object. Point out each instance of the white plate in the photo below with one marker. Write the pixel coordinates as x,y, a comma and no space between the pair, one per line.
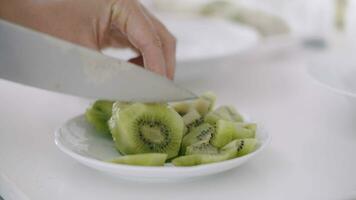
202,38
80,141
335,70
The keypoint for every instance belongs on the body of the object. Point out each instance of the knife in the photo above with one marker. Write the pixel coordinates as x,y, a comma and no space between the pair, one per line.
39,60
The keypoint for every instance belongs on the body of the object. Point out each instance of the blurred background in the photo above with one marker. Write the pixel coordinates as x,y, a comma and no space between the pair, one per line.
215,28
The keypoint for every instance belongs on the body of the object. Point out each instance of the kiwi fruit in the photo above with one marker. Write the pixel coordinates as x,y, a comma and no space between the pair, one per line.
202,105
191,120
227,113
145,159
99,114
200,133
151,134
223,134
120,105
182,108
226,131
198,159
242,146
147,128
203,147
244,130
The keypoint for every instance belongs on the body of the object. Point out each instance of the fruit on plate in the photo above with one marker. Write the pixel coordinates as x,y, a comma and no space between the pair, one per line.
99,114
227,131
185,133
147,128
145,159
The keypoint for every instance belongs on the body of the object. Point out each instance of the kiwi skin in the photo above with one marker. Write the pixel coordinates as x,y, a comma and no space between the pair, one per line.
147,128
147,159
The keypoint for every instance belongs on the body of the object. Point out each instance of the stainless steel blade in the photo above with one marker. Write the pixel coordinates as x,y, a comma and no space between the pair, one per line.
39,60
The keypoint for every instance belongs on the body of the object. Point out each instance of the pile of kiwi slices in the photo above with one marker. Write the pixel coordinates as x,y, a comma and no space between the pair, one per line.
183,133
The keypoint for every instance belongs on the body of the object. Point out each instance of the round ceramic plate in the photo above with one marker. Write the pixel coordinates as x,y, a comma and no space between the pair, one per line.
200,38
80,141
335,70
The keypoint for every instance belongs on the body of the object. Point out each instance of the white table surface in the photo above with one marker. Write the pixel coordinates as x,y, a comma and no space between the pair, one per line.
311,156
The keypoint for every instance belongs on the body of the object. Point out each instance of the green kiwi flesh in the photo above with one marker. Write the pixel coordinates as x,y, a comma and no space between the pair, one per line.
203,147
120,105
145,159
99,114
198,159
227,113
242,146
192,119
204,103
182,107
147,128
226,131
200,133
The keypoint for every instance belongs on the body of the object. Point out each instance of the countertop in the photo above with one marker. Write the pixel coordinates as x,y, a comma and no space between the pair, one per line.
311,155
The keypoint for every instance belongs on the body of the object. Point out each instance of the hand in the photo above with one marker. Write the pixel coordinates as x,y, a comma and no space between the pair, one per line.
98,24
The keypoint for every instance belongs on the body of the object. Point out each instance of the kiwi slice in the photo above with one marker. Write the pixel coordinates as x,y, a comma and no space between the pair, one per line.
204,103
198,159
147,128
227,113
191,120
120,105
99,114
223,134
226,131
203,147
242,146
145,159
200,133
182,108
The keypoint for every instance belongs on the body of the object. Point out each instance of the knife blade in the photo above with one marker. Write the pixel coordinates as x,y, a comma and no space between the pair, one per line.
39,60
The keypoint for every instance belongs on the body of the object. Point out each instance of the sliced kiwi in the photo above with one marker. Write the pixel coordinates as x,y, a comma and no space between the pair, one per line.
226,131
242,146
244,130
191,120
204,103
203,147
99,114
145,159
223,134
182,107
200,133
198,159
120,105
147,128
227,113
